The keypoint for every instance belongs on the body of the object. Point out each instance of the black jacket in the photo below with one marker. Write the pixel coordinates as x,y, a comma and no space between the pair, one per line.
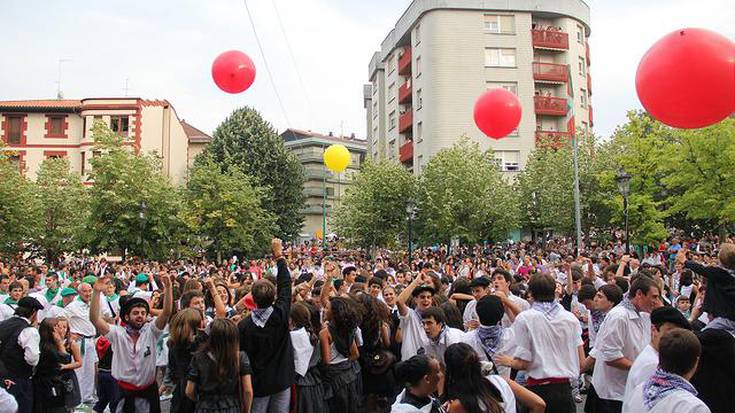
269,348
715,377
720,298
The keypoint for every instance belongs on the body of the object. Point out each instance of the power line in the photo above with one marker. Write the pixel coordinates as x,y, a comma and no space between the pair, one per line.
293,62
265,63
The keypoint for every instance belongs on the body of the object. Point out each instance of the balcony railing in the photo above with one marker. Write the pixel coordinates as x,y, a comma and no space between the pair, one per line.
405,153
404,62
550,39
405,122
555,140
405,92
589,83
548,105
550,72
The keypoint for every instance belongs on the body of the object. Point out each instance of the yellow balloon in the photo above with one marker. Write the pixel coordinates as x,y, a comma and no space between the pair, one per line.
336,158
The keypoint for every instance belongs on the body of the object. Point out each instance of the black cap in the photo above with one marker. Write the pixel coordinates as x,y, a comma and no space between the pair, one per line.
133,302
480,282
30,302
671,315
490,310
421,288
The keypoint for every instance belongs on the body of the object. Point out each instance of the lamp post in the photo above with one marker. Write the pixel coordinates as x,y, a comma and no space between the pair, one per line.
411,211
623,181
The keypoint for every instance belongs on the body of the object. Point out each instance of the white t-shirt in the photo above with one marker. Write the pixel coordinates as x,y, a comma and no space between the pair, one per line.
509,399
452,336
506,346
522,304
414,336
642,369
77,312
624,333
678,401
134,363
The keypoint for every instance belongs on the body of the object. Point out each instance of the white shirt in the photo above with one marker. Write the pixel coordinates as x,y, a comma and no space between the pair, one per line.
642,369
550,346
470,312
624,333
6,311
7,402
134,363
678,401
509,399
29,340
522,304
414,336
506,346
437,350
77,312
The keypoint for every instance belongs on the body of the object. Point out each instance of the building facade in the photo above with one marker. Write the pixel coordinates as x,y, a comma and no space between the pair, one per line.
442,55
309,149
38,129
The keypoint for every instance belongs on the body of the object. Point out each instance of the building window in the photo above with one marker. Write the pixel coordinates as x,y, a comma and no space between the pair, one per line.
391,92
417,34
330,191
84,162
585,127
419,99
55,126
420,162
419,132
583,98
500,57
508,161
15,129
15,161
119,124
500,23
392,120
375,109
418,66
392,148
511,87
580,34
54,154
582,66
391,64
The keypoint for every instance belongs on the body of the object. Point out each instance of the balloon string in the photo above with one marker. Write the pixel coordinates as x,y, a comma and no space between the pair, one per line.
265,63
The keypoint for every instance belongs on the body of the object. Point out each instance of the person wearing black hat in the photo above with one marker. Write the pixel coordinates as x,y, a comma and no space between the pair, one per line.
134,346
491,337
411,323
663,319
20,351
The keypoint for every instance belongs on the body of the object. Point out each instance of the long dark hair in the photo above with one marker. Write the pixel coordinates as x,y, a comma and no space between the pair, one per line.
302,317
465,382
224,344
374,314
46,332
344,318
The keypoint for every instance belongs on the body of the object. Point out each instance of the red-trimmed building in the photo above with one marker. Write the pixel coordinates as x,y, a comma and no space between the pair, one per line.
38,129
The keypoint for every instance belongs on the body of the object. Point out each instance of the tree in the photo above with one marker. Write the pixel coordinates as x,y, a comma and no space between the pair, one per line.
373,212
63,203
463,195
133,206
224,211
700,174
18,207
245,140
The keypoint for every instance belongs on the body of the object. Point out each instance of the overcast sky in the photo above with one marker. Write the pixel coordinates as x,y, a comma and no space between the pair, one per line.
165,48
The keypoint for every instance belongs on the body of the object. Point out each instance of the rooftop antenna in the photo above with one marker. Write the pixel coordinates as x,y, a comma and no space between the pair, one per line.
59,93
126,88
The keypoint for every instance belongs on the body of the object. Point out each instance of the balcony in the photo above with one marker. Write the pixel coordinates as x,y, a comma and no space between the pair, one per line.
552,106
405,122
405,92
405,152
550,72
550,39
589,108
404,62
587,52
554,140
589,83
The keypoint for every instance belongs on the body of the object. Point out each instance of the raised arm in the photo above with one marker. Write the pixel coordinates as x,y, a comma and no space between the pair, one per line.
94,308
219,305
283,279
168,302
406,293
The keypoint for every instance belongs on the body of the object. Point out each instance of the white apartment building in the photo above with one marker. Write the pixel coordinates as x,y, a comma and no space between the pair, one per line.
442,55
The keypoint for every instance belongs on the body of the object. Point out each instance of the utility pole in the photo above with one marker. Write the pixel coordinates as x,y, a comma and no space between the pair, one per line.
126,88
59,92
577,211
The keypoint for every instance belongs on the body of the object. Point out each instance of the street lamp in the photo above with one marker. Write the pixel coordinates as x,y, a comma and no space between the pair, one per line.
623,181
411,211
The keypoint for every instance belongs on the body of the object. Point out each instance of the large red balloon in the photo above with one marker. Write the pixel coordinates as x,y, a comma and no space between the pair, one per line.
497,113
687,79
233,71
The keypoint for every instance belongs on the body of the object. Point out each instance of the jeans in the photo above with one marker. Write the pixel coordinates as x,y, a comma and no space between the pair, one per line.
107,392
275,403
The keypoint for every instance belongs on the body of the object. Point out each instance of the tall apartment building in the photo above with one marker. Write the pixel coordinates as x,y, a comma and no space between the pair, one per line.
309,149
442,55
38,129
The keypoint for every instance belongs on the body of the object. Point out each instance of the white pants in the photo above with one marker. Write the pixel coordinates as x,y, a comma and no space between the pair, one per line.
87,372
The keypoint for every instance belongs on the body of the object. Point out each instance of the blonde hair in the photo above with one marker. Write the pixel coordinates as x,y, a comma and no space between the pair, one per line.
727,255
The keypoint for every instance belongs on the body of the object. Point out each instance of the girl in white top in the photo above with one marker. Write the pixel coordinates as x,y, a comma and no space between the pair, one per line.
468,391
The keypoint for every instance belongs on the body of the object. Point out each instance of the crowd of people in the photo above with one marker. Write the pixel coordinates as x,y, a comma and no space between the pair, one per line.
527,327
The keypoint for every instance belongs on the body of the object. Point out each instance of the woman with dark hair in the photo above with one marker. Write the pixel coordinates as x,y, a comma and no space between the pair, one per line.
342,384
305,341
219,377
376,360
186,336
72,361
421,375
48,388
467,391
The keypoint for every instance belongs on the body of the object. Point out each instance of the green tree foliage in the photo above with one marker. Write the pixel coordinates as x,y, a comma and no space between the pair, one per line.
373,212
133,206
64,208
463,195
245,140
223,211
19,221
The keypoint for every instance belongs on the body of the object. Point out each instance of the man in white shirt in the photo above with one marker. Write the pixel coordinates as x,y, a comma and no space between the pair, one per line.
20,352
440,335
622,336
480,287
411,323
134,347
501,283
491,338
669,390
548,345
663,319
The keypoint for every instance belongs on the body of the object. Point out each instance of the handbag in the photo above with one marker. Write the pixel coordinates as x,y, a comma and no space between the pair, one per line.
379,361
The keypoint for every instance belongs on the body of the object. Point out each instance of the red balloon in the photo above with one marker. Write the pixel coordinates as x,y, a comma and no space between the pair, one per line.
233,71
687,79
497,113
